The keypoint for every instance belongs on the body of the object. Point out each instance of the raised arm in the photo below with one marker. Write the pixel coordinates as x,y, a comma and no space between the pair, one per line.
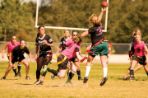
101,14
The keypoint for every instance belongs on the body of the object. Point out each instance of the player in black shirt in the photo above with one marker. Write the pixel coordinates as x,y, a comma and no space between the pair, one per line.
63,40
99,46
43,51
19,55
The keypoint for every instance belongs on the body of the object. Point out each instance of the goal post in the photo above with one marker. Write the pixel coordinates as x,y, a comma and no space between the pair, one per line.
68,28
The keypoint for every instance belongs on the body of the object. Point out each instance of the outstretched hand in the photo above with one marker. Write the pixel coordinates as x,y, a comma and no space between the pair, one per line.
103,9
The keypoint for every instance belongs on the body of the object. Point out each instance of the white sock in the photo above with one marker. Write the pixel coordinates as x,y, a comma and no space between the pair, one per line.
88,67
105,70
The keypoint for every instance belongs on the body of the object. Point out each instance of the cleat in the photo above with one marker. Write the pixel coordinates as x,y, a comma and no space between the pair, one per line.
103,81
126,77
3,78
39,83
85,80
131,77
36,81
27,78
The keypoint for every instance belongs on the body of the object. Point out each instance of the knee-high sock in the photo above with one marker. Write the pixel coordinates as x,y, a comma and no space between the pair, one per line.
19,69
131,72
70,75
79,73
105,70
88,67
14,70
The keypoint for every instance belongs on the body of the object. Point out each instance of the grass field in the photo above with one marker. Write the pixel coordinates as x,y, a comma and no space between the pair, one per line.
114,88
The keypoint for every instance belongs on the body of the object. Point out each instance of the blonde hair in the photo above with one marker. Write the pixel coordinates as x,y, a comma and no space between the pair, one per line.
94,18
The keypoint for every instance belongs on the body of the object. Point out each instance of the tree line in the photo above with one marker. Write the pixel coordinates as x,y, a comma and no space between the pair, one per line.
18,17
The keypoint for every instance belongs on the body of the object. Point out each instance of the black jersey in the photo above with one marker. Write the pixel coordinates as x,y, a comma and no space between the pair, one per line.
96,34
40,44
18,52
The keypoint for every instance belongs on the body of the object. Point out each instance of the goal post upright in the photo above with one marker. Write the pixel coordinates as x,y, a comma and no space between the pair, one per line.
37,13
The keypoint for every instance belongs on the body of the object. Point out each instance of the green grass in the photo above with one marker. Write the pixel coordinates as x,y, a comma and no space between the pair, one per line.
114,88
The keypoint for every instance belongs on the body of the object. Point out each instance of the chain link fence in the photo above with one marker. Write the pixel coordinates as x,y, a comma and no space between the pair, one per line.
117,48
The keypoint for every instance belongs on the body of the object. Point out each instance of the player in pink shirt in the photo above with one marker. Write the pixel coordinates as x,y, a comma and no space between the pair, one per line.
139,55
9,47
132,55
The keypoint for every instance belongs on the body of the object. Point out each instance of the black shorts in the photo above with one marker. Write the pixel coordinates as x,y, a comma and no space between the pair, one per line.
141,60
17,59
62,62
74,59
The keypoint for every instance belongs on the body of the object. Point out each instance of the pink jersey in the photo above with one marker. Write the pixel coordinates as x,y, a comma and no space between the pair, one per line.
139,48
69,52
11,46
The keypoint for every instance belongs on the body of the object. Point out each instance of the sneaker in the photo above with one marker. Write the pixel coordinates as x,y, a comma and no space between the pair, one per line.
3,78
126,77
39,83
36,81
103,81
85,80
131,77
27,78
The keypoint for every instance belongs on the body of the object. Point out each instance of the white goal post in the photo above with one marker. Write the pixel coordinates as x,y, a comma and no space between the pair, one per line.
68,28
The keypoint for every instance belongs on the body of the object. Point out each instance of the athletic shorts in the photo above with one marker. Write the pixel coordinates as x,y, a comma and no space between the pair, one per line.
101,49
74,59
62,62
17,59
141,60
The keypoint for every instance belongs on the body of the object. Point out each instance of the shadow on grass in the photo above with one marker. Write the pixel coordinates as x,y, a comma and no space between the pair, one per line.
8,79
25,83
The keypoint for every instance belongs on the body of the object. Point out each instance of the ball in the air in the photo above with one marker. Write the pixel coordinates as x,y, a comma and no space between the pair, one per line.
104,3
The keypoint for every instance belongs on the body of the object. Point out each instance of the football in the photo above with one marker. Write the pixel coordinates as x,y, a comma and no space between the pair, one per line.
104,3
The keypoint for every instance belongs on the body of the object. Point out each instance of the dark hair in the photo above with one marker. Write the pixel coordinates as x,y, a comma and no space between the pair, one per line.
74,31
40,27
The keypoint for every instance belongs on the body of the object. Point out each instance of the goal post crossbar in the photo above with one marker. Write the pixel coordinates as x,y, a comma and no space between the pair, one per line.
68,28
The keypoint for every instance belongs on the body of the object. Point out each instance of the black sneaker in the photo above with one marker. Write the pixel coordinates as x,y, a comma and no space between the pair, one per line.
85,80
3,78
103,81
39,83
